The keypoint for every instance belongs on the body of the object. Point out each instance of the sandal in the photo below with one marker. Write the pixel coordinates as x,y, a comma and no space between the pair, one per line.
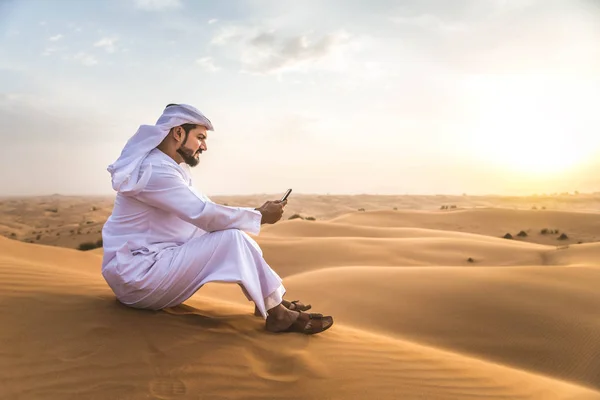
294,305
309,324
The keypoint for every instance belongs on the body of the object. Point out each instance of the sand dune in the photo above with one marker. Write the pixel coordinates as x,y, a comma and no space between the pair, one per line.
578,255
414,318
579,226
69,221
536,318
70,339
297,255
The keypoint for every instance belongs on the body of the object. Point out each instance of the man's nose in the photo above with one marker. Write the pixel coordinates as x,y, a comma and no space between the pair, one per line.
203,146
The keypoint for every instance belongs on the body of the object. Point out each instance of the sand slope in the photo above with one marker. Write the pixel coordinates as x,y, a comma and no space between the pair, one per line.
70,221
579,226
414,320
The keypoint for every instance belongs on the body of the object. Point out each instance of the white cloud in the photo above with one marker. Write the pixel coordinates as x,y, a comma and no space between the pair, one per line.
227,34
155,5
85,59
49,50
268,53
107,43
207,64
55,37
428,21
212,21
261,50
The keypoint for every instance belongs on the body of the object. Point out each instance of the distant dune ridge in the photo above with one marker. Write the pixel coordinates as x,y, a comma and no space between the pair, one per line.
415,318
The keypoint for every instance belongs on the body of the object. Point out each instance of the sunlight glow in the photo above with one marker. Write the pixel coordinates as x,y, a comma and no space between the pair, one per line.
524,132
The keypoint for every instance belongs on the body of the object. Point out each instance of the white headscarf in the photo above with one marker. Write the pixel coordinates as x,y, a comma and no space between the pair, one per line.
125,171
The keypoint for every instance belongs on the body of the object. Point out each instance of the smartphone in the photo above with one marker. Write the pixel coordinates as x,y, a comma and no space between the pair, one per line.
285,196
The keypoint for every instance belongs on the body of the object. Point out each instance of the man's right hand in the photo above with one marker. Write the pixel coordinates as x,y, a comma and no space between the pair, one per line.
271,211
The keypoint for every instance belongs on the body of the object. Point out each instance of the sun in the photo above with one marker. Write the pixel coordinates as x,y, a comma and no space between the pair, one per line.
527,143
530,152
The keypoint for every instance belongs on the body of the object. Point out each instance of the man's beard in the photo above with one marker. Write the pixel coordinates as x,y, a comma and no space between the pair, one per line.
189,156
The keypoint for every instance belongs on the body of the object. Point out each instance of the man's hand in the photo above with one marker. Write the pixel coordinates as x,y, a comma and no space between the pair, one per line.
271,211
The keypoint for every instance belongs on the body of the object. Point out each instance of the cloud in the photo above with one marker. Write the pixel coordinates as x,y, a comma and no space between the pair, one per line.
107,43
156,5
431,22
267,53
228,34
212,21
85,59
49,50
207,64
55,37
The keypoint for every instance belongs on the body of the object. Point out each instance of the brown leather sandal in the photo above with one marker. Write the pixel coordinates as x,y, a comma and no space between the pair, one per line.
294,305
309,324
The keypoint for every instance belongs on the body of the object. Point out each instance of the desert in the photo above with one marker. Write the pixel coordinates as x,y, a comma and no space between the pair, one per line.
429,303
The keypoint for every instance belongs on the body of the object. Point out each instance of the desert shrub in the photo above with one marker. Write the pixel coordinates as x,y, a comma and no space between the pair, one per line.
361,209
395,208
12,235
452,206
522,234
53,210
563,237
90,245
38,237
89,222
311,219
470,260
508,236
87,246
295,216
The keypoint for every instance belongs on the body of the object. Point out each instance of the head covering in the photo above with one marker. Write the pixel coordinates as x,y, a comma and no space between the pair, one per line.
125,171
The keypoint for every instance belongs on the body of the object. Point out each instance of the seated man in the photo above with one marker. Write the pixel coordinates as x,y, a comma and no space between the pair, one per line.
164,239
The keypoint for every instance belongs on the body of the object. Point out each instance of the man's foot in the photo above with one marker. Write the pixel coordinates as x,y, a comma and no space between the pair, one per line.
300,322
294,305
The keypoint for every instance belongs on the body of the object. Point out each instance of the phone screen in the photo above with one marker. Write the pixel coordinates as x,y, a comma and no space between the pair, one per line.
285,196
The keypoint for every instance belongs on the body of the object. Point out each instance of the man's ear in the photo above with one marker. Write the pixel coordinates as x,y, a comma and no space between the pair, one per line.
177,133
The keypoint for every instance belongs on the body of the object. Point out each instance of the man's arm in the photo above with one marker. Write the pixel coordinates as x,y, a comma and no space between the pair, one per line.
168,191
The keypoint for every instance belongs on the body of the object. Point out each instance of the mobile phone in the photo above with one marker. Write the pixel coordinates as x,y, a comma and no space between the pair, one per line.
285,196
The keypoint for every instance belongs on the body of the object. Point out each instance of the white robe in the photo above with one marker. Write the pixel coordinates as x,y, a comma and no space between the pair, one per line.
163,243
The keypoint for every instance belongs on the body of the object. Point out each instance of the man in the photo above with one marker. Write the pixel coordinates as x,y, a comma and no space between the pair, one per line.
164,239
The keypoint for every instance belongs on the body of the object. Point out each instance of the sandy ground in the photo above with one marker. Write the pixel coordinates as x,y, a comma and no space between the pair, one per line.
429,303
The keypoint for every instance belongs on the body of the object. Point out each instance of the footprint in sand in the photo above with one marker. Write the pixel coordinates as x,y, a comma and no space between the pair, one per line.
167,388
76,350
277,362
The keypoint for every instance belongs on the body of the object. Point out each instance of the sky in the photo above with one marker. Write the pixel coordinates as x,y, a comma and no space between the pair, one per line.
337,96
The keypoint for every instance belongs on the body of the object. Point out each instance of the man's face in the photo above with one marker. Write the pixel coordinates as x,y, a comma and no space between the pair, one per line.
194,145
